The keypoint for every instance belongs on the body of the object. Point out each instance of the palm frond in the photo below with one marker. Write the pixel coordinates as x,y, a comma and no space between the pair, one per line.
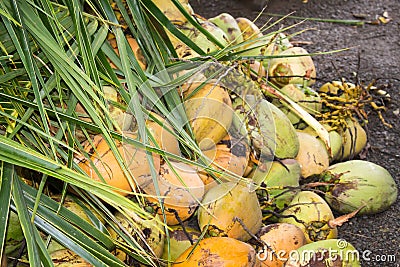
56,59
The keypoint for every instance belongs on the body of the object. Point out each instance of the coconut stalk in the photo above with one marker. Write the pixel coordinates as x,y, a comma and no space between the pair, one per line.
300,112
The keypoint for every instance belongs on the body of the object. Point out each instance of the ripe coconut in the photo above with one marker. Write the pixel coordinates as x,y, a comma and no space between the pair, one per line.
181,190
103,166
313,215
218,251
227,206
281,239
135,48
209,112
335,139
359,183
230,154
162,133
313,156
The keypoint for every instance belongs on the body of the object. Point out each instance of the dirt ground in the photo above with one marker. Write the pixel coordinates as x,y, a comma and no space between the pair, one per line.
374,55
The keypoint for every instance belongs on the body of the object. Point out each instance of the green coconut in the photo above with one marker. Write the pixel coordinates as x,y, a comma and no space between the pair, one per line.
270,131
312,214
279,184
179,240
360,183
228,24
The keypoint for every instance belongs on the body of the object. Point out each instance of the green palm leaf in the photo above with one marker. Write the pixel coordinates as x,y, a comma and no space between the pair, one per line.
54,58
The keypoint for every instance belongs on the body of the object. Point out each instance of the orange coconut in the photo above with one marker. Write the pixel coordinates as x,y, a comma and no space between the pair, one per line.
135,48
162,133
280,239
218,251
109,170
229,155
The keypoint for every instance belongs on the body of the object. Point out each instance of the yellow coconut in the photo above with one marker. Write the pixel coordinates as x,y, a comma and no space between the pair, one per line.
219,251
335,138
181,192
248,28
68,258
171,11
227,207
313,156
209,112
103,166
354,140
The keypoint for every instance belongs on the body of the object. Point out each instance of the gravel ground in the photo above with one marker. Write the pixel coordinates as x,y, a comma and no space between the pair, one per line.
374,55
